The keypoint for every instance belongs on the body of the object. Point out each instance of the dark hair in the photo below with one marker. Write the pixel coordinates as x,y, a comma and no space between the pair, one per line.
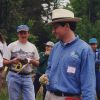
71,24
2,38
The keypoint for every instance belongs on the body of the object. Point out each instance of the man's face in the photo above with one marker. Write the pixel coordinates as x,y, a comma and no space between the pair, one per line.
48,49
23,36
94,46
59,31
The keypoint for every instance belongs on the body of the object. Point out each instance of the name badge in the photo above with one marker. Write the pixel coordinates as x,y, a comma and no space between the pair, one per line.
71,69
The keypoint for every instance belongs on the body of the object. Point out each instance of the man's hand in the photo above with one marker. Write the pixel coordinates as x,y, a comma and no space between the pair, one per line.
44,79
14,61
47,52
29,60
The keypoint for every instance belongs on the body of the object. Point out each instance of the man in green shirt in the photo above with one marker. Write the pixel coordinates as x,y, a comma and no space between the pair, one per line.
42,67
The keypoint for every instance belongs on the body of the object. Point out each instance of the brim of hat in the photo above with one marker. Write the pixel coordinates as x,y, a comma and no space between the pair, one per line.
23,30
47,44
92,42
76,19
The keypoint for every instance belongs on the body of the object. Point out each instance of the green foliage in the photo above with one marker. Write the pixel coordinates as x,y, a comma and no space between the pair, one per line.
33,38
37,13
30,12
89,11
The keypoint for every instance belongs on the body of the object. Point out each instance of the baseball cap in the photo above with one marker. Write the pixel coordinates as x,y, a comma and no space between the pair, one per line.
92,40
22,28
49,43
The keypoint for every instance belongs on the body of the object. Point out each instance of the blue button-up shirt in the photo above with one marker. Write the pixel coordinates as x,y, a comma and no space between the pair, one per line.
71,69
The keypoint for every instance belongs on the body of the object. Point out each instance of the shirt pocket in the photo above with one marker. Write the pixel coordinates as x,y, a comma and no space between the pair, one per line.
71,66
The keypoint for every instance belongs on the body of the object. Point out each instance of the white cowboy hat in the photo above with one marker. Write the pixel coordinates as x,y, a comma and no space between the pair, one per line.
63,15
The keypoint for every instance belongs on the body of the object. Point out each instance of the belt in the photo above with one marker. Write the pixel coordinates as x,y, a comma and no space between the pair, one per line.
59,93
21,73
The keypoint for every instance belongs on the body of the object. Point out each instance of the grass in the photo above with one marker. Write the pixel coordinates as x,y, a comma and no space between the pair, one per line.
4,95
4,92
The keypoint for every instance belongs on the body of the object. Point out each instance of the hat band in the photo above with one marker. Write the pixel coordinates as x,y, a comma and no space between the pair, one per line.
60,18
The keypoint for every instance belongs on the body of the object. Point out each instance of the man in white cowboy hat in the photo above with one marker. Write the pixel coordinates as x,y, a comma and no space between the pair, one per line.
21,55
71,65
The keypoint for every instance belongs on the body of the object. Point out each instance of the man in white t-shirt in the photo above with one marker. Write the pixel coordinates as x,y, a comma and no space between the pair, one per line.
21,56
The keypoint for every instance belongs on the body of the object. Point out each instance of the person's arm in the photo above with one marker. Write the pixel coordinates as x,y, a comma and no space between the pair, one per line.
88,80
8,62
34,62
1,62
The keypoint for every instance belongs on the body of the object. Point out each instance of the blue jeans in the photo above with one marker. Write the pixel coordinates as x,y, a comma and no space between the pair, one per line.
98,84
20,84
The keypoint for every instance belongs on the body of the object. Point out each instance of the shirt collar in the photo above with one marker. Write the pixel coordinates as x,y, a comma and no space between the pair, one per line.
74,39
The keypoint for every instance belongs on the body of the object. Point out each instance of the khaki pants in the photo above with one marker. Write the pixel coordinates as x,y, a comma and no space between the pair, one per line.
51,96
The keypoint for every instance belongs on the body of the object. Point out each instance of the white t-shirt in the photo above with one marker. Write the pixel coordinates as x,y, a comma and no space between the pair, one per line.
17,49
3,48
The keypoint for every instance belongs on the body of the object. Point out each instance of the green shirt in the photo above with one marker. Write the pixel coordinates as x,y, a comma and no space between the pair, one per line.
43,63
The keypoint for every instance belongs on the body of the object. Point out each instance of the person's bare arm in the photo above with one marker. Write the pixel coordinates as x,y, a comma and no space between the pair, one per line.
1,68
8,62
34,62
